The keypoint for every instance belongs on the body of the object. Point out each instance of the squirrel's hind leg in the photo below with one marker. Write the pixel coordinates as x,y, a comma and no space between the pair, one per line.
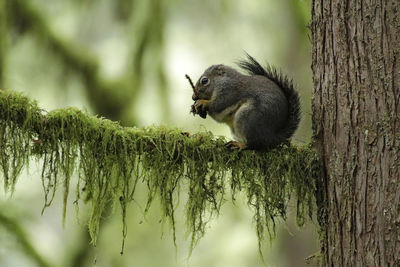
252,127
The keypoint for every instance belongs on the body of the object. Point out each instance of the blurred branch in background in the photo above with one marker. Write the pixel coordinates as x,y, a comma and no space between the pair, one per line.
3,41
158,11
123,9
121,93
149,41
25,17
13,226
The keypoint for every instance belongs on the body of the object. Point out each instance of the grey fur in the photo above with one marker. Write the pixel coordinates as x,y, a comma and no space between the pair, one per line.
262,108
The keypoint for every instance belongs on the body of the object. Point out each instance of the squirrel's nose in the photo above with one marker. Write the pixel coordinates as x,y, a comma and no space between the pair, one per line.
194,97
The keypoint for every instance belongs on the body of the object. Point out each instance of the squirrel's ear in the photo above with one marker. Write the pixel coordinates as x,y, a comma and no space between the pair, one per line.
220,70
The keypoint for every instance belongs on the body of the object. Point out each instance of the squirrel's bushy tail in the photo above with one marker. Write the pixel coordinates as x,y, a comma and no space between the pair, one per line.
286,85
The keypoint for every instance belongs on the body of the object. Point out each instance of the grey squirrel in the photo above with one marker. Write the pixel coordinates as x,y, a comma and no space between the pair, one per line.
262,108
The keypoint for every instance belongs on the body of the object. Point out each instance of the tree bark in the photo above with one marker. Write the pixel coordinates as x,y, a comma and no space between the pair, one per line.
356,123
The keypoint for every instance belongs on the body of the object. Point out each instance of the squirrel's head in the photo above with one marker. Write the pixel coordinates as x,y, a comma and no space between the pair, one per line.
212,78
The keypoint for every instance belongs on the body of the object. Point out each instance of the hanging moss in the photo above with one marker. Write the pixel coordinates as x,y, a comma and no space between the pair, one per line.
111,160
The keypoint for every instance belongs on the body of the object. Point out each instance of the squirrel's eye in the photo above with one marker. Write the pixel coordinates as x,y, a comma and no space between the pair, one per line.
204,80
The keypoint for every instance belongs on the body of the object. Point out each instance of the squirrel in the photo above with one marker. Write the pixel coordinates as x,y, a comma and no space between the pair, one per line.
262,108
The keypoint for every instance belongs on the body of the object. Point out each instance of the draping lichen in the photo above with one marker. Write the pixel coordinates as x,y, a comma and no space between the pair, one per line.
110,160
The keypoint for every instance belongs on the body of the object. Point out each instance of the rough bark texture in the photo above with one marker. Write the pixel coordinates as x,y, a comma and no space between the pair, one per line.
356,67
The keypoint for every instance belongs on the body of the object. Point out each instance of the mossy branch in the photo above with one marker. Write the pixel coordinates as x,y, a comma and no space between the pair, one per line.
111,159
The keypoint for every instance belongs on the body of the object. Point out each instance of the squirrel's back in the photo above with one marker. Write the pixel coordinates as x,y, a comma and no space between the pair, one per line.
289,123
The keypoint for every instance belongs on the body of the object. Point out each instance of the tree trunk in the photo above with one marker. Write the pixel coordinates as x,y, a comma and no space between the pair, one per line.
356,122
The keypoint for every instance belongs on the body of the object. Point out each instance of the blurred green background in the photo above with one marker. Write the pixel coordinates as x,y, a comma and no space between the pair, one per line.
126,60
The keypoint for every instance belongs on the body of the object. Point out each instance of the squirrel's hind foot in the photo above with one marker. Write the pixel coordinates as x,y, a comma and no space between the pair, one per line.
236,145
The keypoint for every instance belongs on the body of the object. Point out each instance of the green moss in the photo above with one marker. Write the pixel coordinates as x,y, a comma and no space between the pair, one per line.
111,160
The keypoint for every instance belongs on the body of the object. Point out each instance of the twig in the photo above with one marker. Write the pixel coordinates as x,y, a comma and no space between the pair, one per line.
191,84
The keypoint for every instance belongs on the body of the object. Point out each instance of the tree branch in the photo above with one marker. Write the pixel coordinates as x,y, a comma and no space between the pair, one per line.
111,159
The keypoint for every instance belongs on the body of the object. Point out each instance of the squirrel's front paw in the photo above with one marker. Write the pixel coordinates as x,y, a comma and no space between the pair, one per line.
200,107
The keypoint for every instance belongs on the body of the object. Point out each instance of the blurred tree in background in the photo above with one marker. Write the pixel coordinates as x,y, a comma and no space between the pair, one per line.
126,60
